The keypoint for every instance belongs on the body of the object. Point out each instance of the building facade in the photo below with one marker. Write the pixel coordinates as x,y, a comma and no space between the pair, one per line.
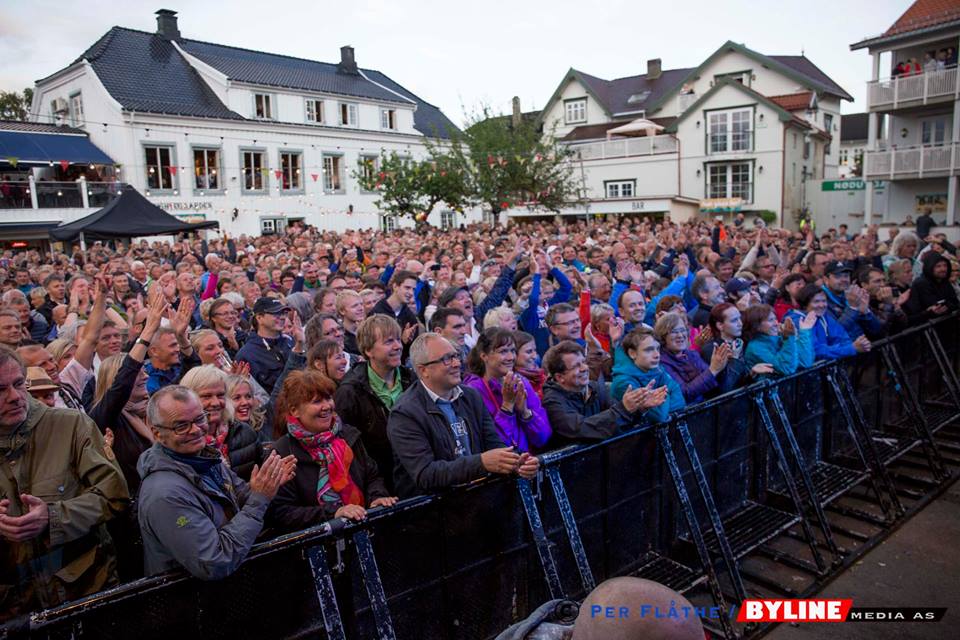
853,144
743,131
913,102
253,140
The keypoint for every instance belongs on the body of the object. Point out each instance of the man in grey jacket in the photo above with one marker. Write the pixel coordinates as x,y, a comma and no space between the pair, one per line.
195,512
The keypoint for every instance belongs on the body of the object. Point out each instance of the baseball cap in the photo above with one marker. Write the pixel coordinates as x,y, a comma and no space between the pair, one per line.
736,286
38,380
269,305
838,266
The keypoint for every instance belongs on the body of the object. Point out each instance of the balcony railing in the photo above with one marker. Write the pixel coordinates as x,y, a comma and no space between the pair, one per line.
625,148
913,90
43,194
925,161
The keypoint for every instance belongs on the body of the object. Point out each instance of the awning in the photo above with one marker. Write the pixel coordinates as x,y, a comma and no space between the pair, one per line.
640,126
21,147
721,205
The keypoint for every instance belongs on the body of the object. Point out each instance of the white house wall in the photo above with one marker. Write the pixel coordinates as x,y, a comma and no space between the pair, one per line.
555,116
655,176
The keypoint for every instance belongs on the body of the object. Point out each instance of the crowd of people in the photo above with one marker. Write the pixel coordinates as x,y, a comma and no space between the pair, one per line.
166,405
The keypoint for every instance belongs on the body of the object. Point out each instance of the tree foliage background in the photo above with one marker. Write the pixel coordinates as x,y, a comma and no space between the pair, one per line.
14,105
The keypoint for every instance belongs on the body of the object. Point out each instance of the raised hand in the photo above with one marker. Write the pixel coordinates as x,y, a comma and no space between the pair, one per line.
409,333
809,321
276,471
616,330
509,392
296,330
787,328
720,357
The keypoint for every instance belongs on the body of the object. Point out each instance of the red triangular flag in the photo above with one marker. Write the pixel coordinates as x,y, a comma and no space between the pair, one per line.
172,170
64,164
314,176
278,173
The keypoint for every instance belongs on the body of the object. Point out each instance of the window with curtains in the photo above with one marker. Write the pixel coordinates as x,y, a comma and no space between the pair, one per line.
158,162
206,169
254,165
730,180
291,169
332,173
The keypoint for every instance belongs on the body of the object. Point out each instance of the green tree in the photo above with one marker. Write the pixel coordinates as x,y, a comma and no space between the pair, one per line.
413,188
509,162
15,106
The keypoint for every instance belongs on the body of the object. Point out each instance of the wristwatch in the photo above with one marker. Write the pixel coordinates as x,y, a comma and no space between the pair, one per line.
145,343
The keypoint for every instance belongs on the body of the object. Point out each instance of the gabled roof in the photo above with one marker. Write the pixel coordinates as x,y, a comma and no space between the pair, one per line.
921,16
38,127
793,101
782,114
145,72
273,70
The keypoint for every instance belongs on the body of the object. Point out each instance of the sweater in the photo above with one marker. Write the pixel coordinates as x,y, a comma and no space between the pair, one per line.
691,372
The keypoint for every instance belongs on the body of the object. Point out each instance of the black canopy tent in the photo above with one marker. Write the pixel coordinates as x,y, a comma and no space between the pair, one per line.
129,215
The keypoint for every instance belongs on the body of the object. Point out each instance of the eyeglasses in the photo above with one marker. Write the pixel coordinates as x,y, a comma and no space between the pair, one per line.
567,323
679,332
225,314
182,428
446,360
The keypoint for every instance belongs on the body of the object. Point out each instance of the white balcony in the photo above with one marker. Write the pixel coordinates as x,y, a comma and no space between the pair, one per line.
625,148
931,87
926,161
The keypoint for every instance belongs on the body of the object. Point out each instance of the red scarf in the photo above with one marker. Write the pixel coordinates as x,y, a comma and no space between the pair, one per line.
333,455
219,440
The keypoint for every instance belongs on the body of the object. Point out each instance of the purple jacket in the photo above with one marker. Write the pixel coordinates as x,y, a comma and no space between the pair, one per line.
691,372
527,435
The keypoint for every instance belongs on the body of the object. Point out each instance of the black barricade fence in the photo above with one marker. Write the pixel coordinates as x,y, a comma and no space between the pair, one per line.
465,564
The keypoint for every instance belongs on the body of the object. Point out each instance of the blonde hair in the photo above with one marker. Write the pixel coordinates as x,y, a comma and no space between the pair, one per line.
257,415
197,336
207,376
59,347
106,374
597,312
495,316
667,323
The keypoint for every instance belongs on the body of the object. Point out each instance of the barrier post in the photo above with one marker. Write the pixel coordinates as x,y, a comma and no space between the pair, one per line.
317,557
540,540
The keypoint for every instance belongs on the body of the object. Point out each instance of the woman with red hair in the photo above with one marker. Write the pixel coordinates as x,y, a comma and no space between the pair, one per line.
336,477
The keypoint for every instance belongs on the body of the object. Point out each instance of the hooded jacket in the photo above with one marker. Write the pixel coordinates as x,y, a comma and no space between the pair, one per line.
627,374
58,456
830,339
584,417
185,523
926,291
853,321
787,355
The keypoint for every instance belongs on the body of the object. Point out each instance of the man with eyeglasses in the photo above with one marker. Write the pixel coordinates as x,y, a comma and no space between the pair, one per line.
267,351
441,432
195,513
58,488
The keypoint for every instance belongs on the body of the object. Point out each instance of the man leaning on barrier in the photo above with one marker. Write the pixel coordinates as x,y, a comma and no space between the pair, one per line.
58,487
195,512
441,432
581,410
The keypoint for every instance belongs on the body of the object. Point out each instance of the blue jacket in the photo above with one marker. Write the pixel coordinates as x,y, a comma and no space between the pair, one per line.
853,321
830,339
787,355
679,287
267,357
530,320
627,374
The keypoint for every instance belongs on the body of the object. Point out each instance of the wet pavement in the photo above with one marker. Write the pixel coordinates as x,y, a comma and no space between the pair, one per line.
918,565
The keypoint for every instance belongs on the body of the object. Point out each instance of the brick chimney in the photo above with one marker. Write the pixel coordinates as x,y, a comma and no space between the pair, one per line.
167,24
348,63
517,116
654,69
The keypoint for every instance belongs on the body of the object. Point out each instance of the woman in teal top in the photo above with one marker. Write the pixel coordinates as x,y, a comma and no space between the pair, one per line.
783,346
637,364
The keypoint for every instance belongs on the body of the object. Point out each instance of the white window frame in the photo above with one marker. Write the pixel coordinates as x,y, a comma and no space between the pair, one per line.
271,226
448,219
352,112
726,133
933,131
76,109
575,111
389,223
201,175
292,175
267,102
726,187
333,181
254,171
167,182
388,119
314,110
620,188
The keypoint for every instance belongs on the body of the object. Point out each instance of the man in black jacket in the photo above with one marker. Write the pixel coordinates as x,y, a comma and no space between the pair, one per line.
441,433
403,284
369,390
582,411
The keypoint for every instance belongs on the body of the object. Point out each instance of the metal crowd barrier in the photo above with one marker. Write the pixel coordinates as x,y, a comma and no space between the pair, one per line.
733,497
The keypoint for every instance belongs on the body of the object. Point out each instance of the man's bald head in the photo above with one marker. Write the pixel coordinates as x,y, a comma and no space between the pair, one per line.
627,597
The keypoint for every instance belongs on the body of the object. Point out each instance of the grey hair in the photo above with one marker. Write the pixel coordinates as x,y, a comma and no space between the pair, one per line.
418,350
302,303
177,392
70,331
902,238
15,297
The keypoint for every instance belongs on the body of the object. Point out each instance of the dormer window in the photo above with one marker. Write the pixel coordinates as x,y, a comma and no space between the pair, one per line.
263,106
388,118
315,110
348,114
575,111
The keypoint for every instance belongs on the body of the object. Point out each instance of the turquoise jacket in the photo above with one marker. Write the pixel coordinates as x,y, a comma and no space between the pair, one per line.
626,374
785,354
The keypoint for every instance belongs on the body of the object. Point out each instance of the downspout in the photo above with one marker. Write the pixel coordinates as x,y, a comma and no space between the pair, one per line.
679,172
783,176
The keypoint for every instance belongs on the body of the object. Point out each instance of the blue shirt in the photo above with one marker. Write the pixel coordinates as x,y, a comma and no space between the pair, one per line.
159,378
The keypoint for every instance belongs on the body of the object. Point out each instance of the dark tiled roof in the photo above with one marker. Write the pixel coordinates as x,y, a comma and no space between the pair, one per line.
803,66
923,14
793,101
144,72
273,70
37,127
854,126
427,119
615,94
598,131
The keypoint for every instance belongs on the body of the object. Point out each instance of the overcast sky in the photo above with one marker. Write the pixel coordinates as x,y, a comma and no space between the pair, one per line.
458,54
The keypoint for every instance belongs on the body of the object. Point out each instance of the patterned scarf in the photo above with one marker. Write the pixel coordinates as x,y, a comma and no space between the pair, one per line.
535,376
219,441
333,455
